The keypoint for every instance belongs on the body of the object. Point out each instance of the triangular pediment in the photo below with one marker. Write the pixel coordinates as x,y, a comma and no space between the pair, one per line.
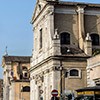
38,7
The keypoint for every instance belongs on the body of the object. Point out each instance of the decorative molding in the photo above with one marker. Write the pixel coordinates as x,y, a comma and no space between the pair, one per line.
56,35
65,11
30,78
39,79
88,12
94,65
80,10
51,69
33,77
50,12
46,71
88,37
39,18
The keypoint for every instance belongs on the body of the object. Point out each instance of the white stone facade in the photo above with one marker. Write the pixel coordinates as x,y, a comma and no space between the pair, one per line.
49,23
93,71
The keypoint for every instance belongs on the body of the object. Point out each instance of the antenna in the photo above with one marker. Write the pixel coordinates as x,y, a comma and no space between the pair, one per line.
6,53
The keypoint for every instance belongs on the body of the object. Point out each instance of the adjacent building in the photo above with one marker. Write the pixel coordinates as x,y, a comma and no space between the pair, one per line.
16,84
65,35
93,71
1,89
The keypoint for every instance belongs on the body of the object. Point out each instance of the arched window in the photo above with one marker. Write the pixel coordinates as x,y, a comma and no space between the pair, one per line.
65,38
25,72
95,39
74,72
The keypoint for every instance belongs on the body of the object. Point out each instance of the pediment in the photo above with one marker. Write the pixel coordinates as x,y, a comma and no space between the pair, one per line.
39,6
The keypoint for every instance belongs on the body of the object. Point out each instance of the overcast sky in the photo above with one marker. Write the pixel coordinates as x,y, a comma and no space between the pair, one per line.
15,28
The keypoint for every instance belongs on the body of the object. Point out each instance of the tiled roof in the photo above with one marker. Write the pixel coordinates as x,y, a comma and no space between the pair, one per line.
17,58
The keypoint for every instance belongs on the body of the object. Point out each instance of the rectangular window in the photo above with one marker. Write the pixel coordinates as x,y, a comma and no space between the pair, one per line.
41,38
73,73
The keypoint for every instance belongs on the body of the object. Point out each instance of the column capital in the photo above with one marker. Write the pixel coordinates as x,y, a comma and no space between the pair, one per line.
80,8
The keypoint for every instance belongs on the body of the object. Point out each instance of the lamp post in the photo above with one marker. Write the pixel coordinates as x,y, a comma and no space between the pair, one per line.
61,68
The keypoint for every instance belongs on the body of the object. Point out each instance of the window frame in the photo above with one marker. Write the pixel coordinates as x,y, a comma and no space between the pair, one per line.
24,71
41,38
65,38
79,73
25,89
96,38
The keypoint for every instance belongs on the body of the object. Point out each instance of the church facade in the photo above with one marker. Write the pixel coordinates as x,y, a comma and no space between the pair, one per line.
16,84
66,34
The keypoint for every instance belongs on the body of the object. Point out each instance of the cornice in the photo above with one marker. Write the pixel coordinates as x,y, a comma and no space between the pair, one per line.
65,11
39,77
94,65
35,18
89,12
60,57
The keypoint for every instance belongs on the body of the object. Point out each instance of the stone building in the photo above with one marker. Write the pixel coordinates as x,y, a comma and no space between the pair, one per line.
93,71
16,77
1,89
65,35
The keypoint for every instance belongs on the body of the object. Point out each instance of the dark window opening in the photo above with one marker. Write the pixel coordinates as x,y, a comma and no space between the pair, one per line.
65,38
39,7
40,38
25,74
26,89
21,76
24,68
74,72
95,39
97,84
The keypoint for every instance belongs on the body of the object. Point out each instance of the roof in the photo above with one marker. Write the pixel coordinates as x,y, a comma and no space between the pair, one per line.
89,89
62,3
17,58
75,3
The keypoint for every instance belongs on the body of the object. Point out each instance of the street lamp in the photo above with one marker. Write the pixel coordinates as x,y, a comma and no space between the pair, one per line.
61,68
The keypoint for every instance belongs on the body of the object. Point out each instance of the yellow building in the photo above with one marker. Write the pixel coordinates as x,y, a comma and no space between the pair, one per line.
16,77
1,89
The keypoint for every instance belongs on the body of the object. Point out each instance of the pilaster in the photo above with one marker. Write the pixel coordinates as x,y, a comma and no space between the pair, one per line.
81,25
56,44
51,23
